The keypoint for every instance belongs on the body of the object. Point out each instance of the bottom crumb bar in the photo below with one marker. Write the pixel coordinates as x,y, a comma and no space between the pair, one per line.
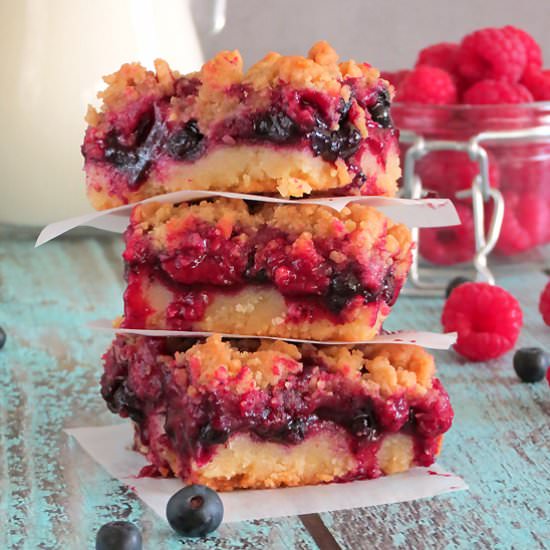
260,414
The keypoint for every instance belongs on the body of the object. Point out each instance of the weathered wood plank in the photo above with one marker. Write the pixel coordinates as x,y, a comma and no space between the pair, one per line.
499,443
51,494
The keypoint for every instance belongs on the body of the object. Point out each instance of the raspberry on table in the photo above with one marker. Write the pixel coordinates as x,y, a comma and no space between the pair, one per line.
450,245
544,305
496,92
533,52
443,55
429,85
487,318
492,53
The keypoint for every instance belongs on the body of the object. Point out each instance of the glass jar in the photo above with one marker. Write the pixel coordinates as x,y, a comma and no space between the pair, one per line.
517,140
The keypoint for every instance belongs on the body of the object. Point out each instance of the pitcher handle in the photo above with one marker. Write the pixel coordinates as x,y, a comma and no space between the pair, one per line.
219,16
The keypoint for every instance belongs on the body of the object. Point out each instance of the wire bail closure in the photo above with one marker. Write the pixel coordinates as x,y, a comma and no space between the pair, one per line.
480,193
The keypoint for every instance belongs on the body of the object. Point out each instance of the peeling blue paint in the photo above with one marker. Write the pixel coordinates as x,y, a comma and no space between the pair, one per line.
53,496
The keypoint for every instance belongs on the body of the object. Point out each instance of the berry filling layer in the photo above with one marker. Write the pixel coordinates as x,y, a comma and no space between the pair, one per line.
299,271
329,121
209,411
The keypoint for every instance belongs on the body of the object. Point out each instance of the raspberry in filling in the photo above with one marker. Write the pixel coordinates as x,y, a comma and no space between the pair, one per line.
295,271
222,413
289,125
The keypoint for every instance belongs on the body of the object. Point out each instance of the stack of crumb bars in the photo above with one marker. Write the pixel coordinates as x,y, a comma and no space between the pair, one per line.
260,411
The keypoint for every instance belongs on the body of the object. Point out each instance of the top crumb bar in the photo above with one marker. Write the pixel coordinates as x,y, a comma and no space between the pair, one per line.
289,126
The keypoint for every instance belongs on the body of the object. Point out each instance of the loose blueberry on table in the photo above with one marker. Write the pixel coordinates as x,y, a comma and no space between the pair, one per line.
194,511
118,535
531,364
453,283
544,304
2,337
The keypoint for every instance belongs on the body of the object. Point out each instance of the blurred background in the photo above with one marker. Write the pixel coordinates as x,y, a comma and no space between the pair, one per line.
387,34
56,51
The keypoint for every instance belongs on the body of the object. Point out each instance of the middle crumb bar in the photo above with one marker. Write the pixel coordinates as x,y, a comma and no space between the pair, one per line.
291,271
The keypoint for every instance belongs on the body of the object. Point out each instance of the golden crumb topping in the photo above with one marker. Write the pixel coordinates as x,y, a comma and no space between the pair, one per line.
383,369
130,83
320,70
363,225
216,362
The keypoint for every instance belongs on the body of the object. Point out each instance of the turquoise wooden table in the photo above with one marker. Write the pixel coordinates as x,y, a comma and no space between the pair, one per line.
52,495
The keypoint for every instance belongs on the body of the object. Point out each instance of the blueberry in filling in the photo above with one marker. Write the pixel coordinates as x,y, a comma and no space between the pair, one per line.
411,418
334,144
293,431
260,276
136,159
344,109
209,435
275,126
387,292
118,154
380,111
364,425
144,127
187,143
352,188
122,400
342,288
358,418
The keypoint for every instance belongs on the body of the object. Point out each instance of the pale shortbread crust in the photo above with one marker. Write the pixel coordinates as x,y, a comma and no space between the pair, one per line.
246,463
321,458
258,310
248,169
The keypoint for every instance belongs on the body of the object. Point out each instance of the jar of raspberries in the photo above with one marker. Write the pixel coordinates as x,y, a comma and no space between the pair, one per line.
488,91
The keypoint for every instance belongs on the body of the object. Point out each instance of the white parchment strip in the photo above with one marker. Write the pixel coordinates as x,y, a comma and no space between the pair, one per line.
414,213
432,340
110,446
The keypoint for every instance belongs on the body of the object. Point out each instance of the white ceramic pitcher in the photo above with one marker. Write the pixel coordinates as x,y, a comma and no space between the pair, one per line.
53,54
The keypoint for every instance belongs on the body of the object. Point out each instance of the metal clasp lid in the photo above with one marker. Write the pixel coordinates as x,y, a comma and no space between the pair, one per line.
428,281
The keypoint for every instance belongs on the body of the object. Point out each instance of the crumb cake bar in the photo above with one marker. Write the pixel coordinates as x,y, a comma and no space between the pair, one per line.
292,271
259,414
289,125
